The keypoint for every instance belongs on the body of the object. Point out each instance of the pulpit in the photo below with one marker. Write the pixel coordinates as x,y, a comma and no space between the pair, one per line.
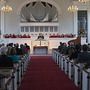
40,47
40,50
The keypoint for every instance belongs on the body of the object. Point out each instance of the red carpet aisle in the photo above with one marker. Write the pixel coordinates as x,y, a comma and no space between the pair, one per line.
44,74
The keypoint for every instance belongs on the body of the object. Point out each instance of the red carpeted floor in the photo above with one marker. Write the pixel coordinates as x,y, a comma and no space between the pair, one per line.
44,74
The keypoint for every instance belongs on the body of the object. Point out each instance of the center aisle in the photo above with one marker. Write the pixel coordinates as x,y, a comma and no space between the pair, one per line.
44,74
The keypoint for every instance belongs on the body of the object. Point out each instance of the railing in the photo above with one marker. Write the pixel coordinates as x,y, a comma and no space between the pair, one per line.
10,79
81,77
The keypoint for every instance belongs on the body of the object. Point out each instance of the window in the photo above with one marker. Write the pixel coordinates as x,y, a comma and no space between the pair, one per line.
46,29
27,29
36,29
82,23
31,29
51,29
22,29
55,29
41,29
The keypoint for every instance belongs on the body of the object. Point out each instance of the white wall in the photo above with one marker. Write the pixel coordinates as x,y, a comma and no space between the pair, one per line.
0,20
65,18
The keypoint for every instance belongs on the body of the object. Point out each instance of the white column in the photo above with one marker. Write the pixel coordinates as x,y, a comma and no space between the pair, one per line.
39,28
49,29
57,29
88,31
2,24
34,29
75,26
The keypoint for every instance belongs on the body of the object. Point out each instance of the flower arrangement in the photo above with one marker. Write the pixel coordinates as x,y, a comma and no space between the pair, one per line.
62,36
28,36
16,36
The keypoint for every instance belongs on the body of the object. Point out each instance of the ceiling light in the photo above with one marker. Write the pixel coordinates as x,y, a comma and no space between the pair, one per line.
72,8
6,8
1,0
83,1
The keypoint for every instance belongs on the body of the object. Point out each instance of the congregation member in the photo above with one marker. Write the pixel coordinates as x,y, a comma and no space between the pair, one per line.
12,53
60,47
3,48
27,48
5,61
84,56
74,51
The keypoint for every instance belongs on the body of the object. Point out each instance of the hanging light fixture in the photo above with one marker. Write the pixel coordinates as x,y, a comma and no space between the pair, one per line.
72,8
1,0
6,8
83,1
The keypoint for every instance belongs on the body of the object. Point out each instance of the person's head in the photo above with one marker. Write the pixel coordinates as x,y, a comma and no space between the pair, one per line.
84,47
21,45
60,43
78,47
25,44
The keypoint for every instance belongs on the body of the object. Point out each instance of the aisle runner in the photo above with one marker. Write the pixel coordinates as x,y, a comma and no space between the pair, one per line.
44,74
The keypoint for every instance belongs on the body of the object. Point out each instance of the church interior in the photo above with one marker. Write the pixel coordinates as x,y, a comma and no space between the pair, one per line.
44,44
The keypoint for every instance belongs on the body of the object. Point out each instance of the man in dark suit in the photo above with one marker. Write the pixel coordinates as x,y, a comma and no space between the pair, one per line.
40,36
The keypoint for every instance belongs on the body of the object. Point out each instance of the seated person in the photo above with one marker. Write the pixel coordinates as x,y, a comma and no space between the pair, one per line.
75,51
71,53
60,47
84,57
14,57
5,61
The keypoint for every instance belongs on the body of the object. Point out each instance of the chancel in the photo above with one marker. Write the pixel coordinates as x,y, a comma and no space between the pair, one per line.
40,45
44,45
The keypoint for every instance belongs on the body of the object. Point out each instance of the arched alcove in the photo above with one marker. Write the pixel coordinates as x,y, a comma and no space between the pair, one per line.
40,16
52,2
39,11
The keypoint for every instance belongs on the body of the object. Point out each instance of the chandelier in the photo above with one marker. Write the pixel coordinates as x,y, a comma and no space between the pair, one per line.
6,8
83,1
72,8
1,0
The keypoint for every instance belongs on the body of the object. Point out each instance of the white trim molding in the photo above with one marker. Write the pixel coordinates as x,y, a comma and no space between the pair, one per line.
39,24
